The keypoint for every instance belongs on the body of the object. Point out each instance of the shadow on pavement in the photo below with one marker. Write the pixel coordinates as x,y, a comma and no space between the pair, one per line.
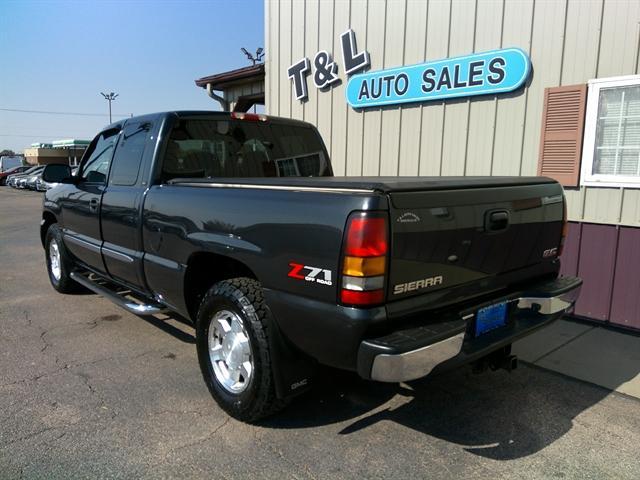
495,415
169,323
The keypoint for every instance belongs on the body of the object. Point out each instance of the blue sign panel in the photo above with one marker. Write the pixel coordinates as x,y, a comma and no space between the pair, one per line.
484,73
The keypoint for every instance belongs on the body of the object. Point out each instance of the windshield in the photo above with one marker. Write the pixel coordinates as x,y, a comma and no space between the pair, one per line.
200,148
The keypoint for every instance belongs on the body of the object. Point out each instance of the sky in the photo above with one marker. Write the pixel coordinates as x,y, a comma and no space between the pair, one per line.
58,56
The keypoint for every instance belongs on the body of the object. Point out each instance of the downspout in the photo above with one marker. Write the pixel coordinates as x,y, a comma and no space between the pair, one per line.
223,103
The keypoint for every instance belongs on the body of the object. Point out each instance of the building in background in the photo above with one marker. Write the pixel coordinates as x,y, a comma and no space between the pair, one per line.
240,89
60,151
575,116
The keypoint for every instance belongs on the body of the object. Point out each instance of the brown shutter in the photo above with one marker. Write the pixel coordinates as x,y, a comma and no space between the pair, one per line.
561,136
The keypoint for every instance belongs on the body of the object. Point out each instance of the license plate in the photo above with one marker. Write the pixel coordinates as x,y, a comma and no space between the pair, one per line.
490,318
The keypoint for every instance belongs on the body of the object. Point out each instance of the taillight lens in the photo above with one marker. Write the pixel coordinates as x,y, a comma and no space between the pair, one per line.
365,259
366,237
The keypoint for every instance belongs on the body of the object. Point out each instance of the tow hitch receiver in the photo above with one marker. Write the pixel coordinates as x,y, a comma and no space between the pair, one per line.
496,360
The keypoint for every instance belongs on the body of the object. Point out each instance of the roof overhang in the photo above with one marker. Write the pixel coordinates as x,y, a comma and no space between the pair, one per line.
240,76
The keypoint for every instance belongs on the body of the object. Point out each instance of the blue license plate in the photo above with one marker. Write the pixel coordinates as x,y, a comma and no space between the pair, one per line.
490,318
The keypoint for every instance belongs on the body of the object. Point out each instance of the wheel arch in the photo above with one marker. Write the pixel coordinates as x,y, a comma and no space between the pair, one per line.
205,269
48,219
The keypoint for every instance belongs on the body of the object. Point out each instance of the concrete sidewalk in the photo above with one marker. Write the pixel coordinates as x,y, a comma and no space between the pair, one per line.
589,352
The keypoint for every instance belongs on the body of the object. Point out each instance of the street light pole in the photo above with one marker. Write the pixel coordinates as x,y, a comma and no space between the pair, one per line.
110,97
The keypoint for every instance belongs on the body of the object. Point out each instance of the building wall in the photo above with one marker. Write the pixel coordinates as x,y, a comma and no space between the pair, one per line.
45,156
568,41
232,94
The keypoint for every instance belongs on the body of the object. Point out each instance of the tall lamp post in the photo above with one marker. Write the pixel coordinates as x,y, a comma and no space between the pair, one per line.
110,97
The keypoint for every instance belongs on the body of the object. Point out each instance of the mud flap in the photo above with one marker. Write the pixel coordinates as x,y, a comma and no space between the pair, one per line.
293,371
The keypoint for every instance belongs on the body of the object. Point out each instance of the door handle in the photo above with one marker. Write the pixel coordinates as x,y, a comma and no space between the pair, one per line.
93,204
497,220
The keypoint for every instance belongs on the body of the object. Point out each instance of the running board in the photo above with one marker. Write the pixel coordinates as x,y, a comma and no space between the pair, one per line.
128,304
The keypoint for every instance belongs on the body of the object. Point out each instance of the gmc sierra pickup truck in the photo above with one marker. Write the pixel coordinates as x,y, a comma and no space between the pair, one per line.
236,222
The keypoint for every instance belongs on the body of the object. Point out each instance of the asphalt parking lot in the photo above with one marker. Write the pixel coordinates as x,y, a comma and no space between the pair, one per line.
90,391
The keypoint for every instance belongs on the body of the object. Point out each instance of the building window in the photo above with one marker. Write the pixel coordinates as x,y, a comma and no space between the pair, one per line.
611,153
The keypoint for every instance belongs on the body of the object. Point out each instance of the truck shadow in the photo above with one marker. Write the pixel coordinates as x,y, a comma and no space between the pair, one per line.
496,415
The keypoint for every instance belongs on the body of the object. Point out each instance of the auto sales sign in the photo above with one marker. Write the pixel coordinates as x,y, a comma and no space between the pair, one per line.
485,73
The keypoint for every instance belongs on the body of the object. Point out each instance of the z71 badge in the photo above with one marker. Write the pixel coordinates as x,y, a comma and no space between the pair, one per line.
310,274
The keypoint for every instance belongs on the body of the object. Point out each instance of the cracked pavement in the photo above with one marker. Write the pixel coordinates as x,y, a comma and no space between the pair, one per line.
88,390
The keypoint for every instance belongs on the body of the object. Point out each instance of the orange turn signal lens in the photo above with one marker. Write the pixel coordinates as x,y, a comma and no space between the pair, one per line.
364,267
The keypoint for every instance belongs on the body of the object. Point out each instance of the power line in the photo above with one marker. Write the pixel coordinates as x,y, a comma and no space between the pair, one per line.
19,110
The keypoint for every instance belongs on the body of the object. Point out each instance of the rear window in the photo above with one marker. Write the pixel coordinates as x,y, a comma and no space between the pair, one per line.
234,148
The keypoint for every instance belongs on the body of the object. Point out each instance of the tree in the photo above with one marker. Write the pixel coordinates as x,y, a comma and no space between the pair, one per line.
7,152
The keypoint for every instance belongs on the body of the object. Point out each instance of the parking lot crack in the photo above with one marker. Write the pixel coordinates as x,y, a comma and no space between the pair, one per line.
27,318
208,437
44,341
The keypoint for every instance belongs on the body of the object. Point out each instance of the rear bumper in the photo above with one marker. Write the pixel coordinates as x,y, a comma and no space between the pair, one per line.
416,352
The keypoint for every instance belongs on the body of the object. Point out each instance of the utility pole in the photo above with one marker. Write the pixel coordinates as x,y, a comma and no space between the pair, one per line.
110,97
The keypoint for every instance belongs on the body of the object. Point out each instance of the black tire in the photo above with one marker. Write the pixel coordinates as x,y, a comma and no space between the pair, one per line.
63,283
242,296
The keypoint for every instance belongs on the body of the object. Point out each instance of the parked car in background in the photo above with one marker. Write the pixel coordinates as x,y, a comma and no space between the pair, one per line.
20,180
32,180
13,171
7,162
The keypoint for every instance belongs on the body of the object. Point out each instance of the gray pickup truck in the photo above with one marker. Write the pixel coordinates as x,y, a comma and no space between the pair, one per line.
236,222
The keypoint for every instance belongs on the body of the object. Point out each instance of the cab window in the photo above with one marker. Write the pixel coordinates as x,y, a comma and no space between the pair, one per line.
207,148
128,156
96,166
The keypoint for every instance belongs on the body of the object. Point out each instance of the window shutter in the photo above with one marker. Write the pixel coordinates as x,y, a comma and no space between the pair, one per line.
561,136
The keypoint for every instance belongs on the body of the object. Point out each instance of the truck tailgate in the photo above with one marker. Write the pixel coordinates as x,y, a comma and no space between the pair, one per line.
447,238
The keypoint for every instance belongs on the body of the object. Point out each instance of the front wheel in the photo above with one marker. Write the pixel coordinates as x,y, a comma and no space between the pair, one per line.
59,265
233,349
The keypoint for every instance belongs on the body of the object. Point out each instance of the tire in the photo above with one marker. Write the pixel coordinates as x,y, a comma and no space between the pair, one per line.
233,313
60,271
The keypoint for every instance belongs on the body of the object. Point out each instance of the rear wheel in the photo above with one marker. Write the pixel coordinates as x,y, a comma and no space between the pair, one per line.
59,265
233,349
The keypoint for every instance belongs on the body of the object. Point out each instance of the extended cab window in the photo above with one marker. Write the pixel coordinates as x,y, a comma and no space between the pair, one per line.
99,153
128,156
200,148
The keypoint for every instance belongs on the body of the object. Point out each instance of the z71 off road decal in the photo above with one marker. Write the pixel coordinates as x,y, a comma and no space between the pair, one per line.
310,274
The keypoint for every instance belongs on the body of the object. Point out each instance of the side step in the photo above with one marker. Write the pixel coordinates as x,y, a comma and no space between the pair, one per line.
120,300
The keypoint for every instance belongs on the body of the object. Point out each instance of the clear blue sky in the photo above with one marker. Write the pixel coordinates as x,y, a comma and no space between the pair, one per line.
59,56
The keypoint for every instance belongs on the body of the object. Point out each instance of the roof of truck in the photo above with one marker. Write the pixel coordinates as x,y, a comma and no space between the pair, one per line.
199,113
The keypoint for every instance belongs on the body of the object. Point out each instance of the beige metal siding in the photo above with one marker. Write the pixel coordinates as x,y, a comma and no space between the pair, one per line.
569,42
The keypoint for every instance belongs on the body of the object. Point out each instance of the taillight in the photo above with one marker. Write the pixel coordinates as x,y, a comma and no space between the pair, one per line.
249,117
565,226
364,262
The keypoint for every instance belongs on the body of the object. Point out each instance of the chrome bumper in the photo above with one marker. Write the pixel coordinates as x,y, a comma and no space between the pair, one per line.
420,362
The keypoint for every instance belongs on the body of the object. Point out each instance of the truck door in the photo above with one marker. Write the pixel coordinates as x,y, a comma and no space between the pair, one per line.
121,205
81,208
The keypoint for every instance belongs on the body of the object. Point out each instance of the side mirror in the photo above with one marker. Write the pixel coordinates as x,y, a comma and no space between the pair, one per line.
56,173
